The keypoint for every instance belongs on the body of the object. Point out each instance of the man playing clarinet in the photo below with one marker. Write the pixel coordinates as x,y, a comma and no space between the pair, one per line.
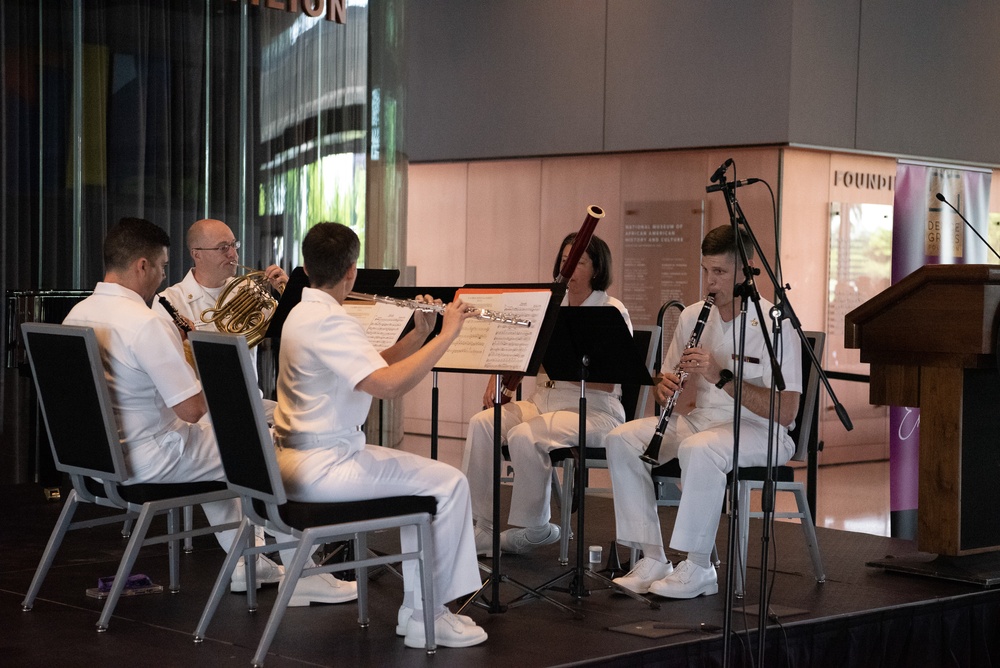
703,439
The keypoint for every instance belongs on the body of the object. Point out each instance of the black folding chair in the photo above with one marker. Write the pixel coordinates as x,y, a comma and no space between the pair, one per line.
667,475
76,407
251,465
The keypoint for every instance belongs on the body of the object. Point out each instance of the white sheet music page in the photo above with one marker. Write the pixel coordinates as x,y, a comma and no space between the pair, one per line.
486,345
383,323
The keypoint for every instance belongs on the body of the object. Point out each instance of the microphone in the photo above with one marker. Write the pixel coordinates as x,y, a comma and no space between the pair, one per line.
721,170
735,184
941,198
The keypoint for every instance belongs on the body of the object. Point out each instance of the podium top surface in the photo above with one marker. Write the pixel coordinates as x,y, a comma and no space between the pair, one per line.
946,311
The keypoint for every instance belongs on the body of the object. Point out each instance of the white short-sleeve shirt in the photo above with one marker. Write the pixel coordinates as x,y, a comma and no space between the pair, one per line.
324,355
191,299
722,340
143,361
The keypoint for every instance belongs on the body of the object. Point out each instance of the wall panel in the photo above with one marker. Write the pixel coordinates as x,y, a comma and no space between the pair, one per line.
505,78
927,79
504,216
569,186
515,78
683,74
824,73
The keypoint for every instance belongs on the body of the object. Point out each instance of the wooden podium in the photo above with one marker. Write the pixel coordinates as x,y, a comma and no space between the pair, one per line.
931,340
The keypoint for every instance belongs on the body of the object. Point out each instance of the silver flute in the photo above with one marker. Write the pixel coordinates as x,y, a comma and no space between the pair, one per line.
481,313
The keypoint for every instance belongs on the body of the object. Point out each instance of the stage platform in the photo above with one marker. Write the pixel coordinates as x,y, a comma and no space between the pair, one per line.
860,616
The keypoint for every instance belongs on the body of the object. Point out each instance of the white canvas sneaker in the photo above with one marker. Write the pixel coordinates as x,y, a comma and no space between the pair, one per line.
516,541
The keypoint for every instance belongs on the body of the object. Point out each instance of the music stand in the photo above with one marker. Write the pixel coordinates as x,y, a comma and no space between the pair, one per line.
446,295
592,344
495,575
368,280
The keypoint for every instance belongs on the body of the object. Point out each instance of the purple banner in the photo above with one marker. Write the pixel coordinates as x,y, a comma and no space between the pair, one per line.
926,231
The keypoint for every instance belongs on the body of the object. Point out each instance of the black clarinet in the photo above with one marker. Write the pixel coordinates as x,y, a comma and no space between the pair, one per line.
652,453
174,315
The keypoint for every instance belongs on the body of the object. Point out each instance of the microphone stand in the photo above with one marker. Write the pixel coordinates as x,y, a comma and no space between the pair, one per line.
782,309
965,220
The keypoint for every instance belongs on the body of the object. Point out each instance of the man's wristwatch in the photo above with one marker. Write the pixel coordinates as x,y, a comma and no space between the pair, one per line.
725,376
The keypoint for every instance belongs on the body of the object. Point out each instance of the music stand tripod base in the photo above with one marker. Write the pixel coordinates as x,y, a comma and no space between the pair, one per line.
591,344
495,576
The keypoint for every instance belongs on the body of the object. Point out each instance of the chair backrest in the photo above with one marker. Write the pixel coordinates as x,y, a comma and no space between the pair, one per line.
234,404
667,318
634,397
74,399
808,416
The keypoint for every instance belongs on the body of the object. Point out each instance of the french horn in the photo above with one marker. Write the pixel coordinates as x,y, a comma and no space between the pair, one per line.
244,307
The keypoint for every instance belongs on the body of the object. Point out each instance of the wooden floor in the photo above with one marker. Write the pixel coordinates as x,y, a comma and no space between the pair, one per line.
811,624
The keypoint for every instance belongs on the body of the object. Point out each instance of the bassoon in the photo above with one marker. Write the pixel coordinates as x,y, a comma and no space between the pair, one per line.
594,213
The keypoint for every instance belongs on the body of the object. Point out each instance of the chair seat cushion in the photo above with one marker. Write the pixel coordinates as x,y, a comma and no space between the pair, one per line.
672,469
781,473
668,469
145,492
301,515
559,455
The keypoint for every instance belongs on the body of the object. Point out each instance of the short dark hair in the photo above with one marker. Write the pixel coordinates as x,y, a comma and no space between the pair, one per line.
328,251
722,241
131,239
600,257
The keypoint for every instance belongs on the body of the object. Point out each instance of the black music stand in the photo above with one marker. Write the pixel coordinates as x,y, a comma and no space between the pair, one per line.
446,295
368,280
592,344
496,576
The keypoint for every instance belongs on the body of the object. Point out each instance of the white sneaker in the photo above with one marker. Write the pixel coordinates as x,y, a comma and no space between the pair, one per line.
449,631
646,572
405,613
322,588
268,572
687,581
484,542
516,541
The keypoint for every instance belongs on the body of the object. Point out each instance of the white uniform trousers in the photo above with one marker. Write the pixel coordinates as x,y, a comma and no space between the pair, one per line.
189,454
335,473
533,428
703,443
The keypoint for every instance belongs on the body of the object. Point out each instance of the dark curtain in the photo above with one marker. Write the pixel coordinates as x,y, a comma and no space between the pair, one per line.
170,133
20,198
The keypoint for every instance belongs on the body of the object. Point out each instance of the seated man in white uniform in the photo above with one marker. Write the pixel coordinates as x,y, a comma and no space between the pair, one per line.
214,251
156,397
328,374
549,419
703,439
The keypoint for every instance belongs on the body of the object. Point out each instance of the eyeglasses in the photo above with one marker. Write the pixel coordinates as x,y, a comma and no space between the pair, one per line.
222,248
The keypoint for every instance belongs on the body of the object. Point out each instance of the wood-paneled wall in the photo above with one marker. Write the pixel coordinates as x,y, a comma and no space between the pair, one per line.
501,222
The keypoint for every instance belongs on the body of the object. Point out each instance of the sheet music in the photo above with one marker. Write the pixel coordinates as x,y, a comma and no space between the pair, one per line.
383,323
492,346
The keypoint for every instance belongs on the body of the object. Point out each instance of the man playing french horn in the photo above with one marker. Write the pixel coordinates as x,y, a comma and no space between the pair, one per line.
703,439
214,250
